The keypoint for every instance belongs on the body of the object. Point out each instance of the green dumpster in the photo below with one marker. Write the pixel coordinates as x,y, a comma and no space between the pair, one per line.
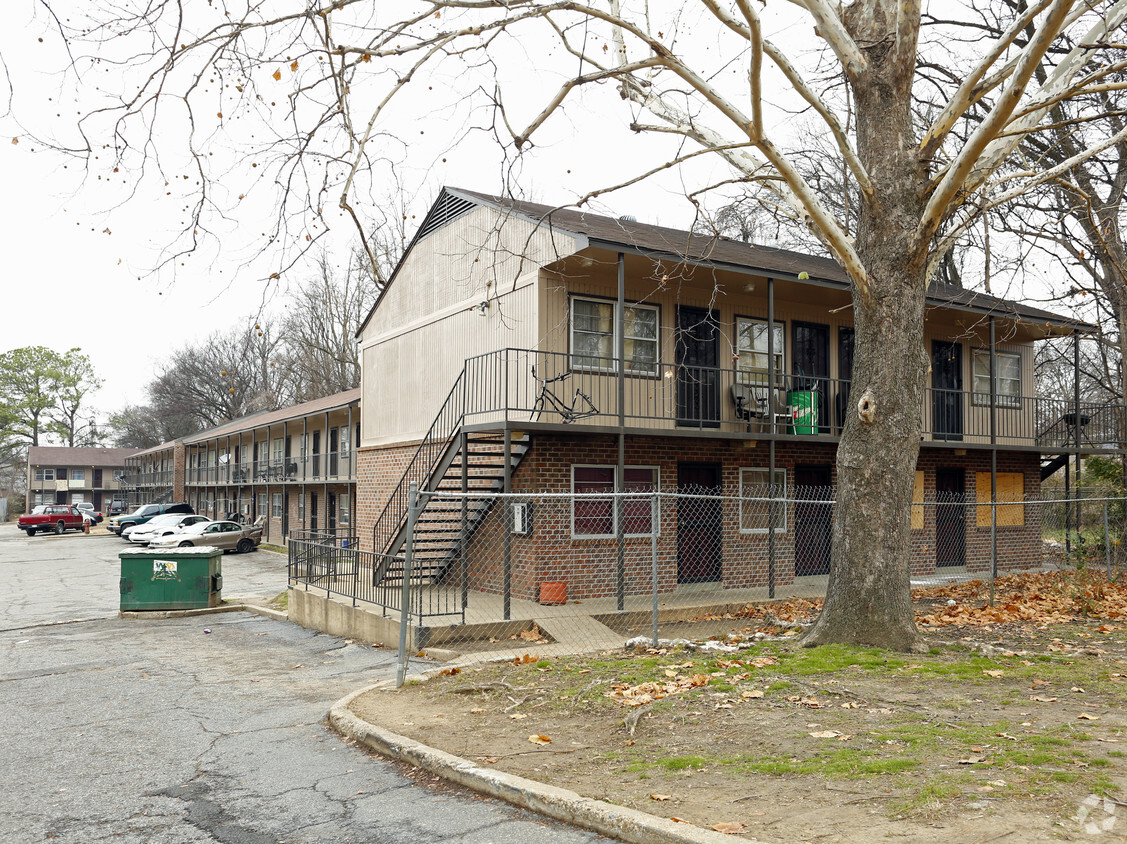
803,407
172,579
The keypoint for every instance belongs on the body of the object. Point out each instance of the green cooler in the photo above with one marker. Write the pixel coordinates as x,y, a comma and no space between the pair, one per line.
174,579
803,407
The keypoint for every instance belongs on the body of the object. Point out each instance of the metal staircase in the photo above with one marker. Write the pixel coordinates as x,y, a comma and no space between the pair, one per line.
442,526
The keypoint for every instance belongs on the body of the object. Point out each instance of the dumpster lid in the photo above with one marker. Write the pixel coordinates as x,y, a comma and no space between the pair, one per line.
198,551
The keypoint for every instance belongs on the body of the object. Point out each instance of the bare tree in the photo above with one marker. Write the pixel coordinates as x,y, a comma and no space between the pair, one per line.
71,418
320,327
355,69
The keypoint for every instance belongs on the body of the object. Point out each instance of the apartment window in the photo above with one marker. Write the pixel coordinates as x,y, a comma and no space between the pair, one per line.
301,507
78,476
1007,382
593,517
262,498
593,334
276,505
344,444
278,447
44,474
344,514
43,498
756,491
751,350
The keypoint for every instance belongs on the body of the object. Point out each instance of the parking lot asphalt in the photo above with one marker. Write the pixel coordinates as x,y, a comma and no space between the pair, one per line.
208,728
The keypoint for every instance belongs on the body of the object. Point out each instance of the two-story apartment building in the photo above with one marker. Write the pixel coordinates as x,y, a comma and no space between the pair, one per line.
62,475
155,475
296,467
578,353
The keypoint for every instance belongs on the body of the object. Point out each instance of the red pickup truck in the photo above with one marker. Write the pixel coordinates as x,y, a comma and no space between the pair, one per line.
56,517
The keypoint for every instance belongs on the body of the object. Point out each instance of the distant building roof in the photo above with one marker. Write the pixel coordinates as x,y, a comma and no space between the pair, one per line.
145,452
50,455
285,414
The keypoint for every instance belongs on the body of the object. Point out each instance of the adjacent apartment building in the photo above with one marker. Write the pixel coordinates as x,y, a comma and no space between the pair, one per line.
61,475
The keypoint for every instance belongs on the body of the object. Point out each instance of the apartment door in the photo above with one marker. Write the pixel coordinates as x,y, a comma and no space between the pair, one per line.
699,523
698,375
316,454
950,517
845,341
334,451
313,511
947,390
813,520
811,363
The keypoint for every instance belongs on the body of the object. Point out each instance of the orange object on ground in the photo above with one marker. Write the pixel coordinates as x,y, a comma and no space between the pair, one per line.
553,592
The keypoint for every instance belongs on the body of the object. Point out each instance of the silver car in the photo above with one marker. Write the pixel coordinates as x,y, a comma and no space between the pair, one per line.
230,536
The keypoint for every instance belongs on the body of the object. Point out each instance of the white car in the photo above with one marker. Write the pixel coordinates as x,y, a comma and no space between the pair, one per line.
159,526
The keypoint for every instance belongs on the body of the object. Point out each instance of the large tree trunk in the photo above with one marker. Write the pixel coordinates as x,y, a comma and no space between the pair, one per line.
868,600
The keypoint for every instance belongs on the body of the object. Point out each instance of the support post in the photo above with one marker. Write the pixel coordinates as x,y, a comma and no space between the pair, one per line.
1076,425
405,598
1107,543
655,515
465,567
506,522
993,459
771,443
620,472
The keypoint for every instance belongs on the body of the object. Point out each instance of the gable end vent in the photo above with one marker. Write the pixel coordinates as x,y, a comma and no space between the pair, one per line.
447,209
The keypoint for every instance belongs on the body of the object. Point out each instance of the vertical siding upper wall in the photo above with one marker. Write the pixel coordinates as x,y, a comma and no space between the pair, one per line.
414,347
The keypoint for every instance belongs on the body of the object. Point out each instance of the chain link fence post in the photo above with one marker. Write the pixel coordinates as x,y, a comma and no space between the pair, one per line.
404,612
655,512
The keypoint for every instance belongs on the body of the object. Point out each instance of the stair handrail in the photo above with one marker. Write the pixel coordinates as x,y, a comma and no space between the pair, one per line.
395,511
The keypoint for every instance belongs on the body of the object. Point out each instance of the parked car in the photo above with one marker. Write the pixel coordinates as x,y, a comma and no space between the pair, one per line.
230,536
53,517
145,512
87,507
117,507
159,526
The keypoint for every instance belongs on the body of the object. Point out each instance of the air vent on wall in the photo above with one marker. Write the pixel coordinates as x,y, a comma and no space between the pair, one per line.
448,208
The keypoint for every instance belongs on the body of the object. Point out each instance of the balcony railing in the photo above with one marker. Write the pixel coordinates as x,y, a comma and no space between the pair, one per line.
501,386
133,478
332,466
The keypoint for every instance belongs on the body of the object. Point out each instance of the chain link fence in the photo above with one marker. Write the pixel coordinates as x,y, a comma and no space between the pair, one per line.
549,573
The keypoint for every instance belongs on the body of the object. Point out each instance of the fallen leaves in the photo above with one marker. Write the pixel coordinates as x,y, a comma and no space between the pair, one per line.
644,693
834,734
525,660
450,672
661,798
731,828
537,738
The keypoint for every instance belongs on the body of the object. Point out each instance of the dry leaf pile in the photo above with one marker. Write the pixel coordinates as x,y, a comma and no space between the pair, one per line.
1042,598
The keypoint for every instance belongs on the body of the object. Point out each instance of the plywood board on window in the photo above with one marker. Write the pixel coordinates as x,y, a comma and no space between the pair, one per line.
1011,488
918,496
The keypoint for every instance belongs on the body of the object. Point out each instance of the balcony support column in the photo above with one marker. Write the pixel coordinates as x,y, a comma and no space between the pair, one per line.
771,442
993,458
1076,420
620,473
508,487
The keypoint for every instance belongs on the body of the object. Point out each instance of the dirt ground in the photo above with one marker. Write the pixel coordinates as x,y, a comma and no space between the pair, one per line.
1008,730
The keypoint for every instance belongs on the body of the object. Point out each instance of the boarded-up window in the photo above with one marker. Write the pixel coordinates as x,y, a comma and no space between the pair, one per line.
917,502
1011,488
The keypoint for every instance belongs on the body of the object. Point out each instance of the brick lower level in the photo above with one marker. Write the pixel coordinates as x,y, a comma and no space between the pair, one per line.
552,552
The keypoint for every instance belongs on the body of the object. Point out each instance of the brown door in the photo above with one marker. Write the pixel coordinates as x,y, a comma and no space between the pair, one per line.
813,520
698,523
950,517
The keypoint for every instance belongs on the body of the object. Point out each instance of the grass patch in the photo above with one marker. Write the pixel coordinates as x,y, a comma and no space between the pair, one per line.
281,601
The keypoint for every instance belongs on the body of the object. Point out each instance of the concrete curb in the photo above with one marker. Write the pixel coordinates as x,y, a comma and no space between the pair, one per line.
615,821
251,608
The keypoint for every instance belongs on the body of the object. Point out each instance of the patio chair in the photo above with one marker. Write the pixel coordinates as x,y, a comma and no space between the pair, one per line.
754,405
